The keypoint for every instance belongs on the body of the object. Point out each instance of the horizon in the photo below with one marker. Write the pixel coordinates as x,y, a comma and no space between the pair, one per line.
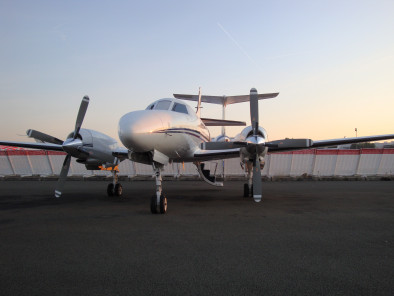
333,68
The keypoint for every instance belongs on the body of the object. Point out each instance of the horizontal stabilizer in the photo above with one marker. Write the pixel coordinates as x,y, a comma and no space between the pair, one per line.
220,122
224,100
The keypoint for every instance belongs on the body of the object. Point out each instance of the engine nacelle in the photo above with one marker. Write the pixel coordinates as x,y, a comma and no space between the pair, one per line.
96,149
248,131
246,155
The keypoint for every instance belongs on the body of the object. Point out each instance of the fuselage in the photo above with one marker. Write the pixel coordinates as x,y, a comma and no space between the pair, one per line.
168,125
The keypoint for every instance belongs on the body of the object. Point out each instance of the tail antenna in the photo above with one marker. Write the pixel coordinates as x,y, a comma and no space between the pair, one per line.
199,103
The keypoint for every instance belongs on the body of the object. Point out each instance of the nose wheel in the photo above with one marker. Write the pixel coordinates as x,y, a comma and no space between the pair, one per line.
158,207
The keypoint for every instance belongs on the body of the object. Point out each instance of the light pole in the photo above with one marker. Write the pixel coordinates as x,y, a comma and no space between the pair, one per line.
356,131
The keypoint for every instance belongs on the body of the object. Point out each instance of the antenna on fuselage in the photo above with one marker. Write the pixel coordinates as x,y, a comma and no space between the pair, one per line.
199,102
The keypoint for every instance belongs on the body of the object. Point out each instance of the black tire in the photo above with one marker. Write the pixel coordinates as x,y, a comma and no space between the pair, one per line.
163,204
246,190
118,189
153,204
110,189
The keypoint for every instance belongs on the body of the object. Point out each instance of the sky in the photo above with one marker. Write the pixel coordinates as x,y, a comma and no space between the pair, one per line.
331,61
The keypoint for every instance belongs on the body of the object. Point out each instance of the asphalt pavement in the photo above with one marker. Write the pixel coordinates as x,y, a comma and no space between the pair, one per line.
304,238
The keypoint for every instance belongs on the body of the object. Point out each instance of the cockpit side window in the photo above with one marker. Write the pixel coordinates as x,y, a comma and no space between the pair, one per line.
180,108
150,107
163,105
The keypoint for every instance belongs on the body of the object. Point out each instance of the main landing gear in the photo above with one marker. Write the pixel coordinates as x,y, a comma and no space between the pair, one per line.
158,202
114,188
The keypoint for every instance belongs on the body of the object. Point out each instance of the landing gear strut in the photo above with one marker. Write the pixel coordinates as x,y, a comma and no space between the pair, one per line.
114,188
159,201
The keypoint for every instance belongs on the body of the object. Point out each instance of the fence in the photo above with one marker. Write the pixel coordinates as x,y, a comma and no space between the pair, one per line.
314,162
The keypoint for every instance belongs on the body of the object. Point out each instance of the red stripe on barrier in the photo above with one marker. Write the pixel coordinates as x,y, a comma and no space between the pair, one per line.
388,151
339,152
15,152
371,151
349,152
56,153
307,151
31,152
298,152
326,152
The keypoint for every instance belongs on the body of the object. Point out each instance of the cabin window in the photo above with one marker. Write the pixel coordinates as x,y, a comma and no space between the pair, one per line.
163,105
180,108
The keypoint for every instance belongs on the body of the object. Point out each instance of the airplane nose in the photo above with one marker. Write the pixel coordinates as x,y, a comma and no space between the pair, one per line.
134,128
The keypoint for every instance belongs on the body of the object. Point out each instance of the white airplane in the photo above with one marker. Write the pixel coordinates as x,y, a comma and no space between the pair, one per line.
167,131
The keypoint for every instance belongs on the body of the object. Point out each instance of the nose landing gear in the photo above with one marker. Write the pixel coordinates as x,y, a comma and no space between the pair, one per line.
158,201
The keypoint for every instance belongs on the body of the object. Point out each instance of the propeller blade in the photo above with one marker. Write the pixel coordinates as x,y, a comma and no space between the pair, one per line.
257,184
254,110
43,137
63,176
81,115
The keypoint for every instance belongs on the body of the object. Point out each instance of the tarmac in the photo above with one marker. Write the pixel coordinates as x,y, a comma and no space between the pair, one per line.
303,238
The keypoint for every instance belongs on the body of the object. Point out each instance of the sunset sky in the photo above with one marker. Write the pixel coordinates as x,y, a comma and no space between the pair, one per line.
331,61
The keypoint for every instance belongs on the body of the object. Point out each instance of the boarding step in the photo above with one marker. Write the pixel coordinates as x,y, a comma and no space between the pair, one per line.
206,175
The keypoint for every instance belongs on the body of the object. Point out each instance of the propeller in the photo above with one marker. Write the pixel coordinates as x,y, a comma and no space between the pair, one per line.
70,145
255,144
43,137
63,176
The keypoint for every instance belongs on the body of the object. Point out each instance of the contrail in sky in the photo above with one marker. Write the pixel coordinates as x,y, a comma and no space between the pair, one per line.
236,43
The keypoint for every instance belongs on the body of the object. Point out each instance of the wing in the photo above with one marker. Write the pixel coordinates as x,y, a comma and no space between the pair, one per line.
275,146
43,146
206,155
121,153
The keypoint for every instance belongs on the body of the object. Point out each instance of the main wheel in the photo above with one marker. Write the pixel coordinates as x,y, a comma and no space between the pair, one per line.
110,189
163,204
153,204
118,189
246,190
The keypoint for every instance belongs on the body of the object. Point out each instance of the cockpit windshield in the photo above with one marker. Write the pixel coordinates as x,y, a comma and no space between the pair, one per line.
167,104
162,105
180,108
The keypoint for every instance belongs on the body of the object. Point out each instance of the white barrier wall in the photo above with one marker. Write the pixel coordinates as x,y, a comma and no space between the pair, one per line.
323,162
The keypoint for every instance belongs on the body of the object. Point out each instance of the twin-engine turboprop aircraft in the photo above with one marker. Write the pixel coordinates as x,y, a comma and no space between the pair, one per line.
168,130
